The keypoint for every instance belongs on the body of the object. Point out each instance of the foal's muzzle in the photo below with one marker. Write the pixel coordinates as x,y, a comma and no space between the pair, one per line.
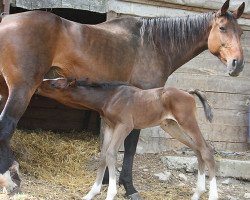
235,66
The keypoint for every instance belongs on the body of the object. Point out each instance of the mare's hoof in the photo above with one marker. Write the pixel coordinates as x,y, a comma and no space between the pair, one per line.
135,196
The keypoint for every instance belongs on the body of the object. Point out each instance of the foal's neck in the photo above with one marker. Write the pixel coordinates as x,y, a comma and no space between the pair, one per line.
94,95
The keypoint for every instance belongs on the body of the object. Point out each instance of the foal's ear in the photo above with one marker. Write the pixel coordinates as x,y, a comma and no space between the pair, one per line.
223,9
237,13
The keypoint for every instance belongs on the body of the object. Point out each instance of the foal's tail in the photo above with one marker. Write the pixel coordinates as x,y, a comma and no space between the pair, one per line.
2,15
206,106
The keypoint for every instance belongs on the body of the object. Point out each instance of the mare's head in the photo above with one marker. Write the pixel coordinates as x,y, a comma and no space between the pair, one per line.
224,38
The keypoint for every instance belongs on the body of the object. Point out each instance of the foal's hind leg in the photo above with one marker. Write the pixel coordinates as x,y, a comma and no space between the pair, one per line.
96,188
190,127
172,127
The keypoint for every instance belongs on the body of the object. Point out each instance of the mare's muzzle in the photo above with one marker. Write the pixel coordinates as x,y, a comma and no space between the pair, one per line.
235,66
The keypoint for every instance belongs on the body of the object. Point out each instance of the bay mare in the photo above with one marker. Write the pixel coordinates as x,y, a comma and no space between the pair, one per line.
123,108
141,51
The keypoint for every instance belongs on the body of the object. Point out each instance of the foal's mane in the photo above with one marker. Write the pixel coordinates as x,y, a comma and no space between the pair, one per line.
101,85
170,33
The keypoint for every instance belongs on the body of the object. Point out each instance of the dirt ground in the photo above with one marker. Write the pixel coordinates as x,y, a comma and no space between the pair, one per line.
150,187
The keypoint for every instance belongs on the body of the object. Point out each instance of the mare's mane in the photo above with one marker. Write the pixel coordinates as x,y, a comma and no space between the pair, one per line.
170,33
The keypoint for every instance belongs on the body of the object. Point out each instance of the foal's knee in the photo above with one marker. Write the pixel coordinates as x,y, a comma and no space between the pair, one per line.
110,157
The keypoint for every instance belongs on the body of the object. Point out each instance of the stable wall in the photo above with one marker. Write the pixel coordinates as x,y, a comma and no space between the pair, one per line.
229,96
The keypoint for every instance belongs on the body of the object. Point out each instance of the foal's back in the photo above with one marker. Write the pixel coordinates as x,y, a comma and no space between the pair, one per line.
146,108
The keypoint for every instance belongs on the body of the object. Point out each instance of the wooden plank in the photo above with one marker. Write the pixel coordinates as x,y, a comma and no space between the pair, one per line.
56,125
207,66
226,101
52,114
225,117
229,146
44,102
245,39
201,6
224,133
210,83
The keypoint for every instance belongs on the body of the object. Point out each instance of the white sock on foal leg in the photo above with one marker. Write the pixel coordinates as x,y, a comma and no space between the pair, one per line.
200,186
112,190
96,188
213,193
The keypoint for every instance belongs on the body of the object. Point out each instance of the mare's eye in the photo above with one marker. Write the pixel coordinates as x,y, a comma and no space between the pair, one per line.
222,29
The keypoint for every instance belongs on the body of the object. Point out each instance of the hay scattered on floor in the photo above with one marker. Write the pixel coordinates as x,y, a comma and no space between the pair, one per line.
61,158
64,167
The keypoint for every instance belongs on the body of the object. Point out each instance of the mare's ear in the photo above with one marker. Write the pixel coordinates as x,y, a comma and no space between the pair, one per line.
237,13
72,83
223,9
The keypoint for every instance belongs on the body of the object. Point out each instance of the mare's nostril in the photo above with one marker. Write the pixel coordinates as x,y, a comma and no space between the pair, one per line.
235,63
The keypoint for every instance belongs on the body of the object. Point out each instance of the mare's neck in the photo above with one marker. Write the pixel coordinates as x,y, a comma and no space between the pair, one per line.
177,39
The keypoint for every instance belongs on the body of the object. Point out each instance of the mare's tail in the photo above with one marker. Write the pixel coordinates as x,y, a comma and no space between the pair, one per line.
206,106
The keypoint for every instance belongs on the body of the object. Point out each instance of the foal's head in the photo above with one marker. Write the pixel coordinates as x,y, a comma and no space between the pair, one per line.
54,86
224,38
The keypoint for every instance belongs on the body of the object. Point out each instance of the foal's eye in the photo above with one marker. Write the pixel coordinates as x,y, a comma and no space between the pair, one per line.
222,29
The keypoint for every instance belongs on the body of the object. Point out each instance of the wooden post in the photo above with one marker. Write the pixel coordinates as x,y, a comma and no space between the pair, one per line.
1,6
6,7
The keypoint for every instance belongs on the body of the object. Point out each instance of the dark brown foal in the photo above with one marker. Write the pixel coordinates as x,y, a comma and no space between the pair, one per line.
123,108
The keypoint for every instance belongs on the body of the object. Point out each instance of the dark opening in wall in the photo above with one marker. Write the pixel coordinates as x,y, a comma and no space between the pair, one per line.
80,16
44,113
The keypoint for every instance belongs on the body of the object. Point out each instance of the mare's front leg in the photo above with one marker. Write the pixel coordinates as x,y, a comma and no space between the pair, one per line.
126,178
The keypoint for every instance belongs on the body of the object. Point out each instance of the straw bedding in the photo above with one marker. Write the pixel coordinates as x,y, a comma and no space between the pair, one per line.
61,158
63,166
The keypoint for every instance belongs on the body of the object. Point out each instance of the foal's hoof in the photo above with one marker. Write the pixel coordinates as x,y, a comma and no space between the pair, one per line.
135,196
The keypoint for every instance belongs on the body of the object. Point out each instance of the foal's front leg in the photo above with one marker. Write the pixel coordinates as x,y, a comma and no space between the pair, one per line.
96,188
118,138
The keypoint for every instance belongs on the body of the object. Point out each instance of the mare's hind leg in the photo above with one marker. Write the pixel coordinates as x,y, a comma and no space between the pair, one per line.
96,188
8,159
22,83
125,178
17,102
189,133
3,93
